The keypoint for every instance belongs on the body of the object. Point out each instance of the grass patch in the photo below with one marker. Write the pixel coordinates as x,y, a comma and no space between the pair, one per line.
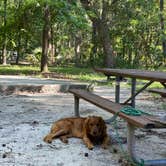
141,83
71,70
82,74
19,70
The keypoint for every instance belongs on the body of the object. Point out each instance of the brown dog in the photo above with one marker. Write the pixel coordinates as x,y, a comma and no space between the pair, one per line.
92,130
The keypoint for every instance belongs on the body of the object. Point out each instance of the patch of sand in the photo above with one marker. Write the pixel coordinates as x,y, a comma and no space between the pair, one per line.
26,118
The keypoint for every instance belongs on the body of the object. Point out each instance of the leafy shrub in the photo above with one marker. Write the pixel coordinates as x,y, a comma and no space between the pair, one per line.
35,57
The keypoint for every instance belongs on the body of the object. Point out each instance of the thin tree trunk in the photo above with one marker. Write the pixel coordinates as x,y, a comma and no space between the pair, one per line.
77,51
26,43
4,52
52,47
45,39
130,56
18,46
162,27
19,36
94,42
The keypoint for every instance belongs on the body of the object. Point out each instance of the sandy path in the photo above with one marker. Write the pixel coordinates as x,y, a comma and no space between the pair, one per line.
26,118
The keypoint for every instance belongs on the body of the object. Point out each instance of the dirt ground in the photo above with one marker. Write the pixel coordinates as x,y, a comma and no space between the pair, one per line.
25,118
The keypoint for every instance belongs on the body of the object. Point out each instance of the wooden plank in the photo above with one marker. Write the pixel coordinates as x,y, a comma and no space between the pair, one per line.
139,121
133,73
162,92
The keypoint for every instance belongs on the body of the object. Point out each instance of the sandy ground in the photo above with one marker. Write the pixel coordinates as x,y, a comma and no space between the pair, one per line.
25,118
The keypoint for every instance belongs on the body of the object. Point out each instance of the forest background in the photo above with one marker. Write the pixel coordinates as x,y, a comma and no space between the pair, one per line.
85,33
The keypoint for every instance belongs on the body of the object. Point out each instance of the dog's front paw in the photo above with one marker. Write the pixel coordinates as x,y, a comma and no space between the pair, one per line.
90,146
47,139
104,146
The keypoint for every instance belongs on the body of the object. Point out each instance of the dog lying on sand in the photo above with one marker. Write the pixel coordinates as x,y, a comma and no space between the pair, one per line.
91,129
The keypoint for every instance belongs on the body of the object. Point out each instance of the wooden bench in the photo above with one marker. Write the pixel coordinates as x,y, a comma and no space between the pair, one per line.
143,121
161,92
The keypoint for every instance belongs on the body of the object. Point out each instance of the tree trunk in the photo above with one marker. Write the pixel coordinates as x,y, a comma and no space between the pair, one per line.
52,47
77,51
18,46
130,56
107,47
45,39
162,27
94,42
103,32
18,37
4,52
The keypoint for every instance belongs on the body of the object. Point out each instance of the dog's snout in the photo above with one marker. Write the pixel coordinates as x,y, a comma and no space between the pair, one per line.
94,132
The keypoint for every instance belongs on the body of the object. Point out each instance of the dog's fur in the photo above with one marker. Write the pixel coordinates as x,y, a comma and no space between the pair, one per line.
91,129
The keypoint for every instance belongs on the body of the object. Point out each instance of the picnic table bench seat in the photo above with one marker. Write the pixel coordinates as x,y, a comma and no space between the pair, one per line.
161,92
143,121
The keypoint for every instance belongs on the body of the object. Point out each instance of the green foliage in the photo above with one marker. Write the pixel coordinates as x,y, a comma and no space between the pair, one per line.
138,43
35,57
82,74
134,27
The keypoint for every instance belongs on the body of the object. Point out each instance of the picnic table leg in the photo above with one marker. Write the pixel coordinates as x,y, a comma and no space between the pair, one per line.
133,88
131,141
76,106
108,78
117,90
164,84
131,150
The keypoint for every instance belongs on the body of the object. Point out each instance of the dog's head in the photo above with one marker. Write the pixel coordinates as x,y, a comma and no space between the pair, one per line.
95,126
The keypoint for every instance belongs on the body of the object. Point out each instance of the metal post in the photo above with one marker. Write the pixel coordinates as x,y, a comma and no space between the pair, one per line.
76,106
117,90
133,88
131,141
131,149
108,78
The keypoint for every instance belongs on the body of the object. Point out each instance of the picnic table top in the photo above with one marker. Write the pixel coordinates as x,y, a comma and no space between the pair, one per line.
134,73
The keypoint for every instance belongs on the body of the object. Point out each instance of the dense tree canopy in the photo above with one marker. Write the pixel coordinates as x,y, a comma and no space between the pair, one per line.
109,33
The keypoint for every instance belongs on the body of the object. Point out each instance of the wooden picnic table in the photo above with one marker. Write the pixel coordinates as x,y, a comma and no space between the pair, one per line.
151,76
144,121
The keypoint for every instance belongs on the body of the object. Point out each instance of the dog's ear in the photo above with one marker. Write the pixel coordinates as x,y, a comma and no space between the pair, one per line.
86,125
87,121
102,125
